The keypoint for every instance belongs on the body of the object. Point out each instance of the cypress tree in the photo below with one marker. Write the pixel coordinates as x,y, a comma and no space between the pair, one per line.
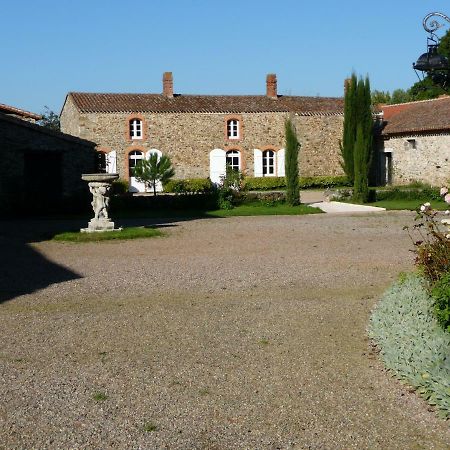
363,141
291,164
350,124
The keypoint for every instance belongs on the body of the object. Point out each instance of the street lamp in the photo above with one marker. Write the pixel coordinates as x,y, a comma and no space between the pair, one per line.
432,63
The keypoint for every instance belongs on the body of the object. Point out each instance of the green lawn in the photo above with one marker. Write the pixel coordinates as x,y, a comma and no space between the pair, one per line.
251,209
409,204
262,210
126,233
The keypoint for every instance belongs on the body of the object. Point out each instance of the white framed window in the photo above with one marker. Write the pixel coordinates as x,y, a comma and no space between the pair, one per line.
233,129
233,159
136,129
268,163
133,158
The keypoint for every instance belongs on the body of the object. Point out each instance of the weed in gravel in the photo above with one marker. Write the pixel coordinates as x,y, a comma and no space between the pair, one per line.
149,427
264,341
204,391
103,356
100,397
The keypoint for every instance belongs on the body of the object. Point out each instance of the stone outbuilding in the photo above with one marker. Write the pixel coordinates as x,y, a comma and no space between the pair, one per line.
415,142
41,168
203,133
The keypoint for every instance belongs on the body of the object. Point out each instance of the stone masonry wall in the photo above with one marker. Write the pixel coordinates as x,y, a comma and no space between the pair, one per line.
188,138
319,137
18,138
428,162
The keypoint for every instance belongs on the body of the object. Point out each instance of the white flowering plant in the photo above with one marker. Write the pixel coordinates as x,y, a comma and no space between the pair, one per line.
432,247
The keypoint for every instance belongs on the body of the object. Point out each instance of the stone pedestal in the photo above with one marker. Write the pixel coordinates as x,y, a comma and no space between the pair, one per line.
100,187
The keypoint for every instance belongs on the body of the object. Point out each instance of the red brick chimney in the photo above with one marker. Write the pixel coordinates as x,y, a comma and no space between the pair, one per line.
168,84
271,85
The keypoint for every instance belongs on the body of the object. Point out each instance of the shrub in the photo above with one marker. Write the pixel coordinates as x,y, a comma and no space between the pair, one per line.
274,183
189,186
441,297
324,182
432,248
264,183
119,187
229,188
411,343
406,193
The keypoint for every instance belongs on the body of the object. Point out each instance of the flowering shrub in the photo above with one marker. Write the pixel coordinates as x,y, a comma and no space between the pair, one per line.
433,246
433,256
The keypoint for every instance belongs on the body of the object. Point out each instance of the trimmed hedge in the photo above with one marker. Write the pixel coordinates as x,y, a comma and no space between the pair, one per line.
271,183
406,193
189,186
412,344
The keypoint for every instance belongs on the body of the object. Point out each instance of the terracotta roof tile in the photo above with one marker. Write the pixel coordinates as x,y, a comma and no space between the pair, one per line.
6,109
416,117
111,103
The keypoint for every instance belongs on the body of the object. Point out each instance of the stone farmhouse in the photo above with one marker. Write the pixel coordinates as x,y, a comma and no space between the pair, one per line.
415,142
202,133
41,168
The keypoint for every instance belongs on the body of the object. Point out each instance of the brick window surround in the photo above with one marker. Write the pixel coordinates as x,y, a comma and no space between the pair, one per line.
242,161
229,129
127,156
129,125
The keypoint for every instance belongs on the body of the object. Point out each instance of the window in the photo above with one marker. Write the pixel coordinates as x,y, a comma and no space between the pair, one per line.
135,129
101,162
268,162
411,144
233,129
233,159
133,157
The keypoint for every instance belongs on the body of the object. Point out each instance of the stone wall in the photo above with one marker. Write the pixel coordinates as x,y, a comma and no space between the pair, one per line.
320,153
20,142
188,138
420,158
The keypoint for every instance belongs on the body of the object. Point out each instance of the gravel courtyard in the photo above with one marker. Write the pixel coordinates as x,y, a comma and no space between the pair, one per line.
238,333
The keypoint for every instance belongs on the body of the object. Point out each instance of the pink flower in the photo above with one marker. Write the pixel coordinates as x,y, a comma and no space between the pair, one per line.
447,198
444,190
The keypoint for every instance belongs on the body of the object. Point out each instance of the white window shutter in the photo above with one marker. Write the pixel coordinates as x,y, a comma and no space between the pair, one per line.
217,165
257,162
280,163
111,162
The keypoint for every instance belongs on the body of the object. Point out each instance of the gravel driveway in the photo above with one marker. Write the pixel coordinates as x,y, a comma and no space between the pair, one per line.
239,333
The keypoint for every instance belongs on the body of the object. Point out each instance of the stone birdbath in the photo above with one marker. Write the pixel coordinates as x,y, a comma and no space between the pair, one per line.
100,187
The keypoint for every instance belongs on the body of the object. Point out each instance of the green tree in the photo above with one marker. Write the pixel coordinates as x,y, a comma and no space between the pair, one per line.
363,141
291,164
50,119
400,96
153,170
349,133
381,97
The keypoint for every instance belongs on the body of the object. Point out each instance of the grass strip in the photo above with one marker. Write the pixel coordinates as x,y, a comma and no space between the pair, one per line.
411,205
126,233
263,210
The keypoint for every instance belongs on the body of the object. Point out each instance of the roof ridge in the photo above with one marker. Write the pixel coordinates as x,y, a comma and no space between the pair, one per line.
443,97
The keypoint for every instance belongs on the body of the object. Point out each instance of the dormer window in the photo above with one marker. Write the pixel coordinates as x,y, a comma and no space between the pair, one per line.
135,129
233,129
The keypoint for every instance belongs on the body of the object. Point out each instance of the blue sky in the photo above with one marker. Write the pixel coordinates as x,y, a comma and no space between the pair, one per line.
52,47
